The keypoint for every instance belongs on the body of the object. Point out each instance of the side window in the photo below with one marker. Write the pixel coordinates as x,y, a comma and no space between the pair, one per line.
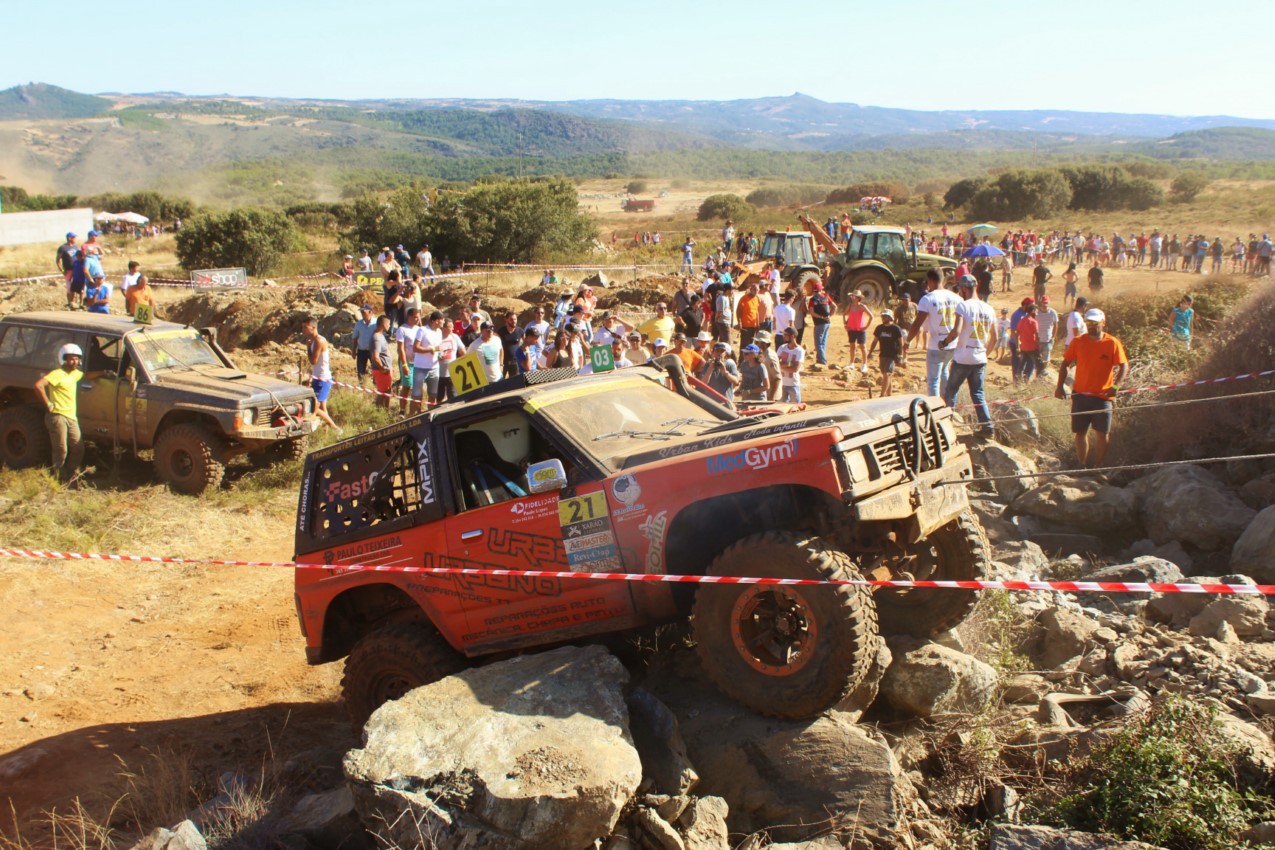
103,353
492,456
17,343
50,340
856,244
372,485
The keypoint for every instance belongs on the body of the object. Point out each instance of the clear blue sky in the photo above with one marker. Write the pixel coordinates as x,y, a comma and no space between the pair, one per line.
1173,56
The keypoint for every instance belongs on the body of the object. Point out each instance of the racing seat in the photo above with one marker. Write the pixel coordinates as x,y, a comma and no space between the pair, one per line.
486,476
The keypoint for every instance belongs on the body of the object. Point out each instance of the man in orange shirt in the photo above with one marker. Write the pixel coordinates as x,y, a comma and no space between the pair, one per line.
748,312
690,358
1101,365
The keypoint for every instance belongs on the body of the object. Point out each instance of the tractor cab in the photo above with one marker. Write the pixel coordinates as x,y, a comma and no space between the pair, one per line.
793,246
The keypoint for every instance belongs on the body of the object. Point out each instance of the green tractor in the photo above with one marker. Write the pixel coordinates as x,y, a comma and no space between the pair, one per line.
878,263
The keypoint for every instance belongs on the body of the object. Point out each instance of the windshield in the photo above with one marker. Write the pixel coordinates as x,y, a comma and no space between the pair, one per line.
178,349
628,417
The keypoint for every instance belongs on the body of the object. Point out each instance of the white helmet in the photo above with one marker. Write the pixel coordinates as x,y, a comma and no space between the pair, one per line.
69,348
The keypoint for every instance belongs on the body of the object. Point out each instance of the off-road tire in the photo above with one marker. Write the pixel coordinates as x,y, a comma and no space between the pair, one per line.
828,635
955,552
802,279
283,450
24,441
873,283
389,662
188,458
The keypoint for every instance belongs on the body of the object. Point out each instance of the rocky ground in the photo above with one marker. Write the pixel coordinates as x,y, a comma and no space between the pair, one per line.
669,763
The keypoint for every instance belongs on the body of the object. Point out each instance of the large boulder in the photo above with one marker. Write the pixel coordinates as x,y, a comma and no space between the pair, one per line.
533,752
1064,635
1254,553
997,460
931,679
1080,503
774,771
1016,424
1143,569
1191,505
1180,610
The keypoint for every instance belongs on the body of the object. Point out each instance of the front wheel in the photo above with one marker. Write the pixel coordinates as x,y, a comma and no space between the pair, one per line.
955,552
189,459
781,650
390,662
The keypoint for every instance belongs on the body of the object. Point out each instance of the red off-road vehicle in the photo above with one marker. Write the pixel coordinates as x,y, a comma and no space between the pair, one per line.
634,471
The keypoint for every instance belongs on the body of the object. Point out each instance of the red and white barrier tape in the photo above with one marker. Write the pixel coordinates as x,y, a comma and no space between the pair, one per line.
1064,586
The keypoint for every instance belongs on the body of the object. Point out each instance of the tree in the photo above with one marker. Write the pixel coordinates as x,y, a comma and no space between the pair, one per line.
518,220
255,239
395,220
636,187
962,192
724,206
1187,185
1022,194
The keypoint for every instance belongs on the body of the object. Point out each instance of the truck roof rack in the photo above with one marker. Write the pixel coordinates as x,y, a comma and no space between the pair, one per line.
518,382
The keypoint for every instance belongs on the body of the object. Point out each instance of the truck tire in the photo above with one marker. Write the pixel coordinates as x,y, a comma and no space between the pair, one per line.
391,661
804,279
189,459
873,283
24,441
781,650
281,451
954,552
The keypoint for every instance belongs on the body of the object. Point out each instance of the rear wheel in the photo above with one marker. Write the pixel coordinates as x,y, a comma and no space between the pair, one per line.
806,280
782,650
873,283
390,662
24,441
189,459
955,552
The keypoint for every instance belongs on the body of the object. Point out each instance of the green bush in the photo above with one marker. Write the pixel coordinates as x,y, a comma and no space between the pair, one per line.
1020,194
256,239
962,192
1167,778
1186,186
502,220
724,206
636,187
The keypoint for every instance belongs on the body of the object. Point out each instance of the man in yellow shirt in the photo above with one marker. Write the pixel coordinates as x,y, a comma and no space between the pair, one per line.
58,392
660,326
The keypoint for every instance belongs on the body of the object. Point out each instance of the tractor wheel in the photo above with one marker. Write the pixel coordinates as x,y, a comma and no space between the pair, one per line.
805,281
391,661
782,650
189,459
955,552
873,283
24,441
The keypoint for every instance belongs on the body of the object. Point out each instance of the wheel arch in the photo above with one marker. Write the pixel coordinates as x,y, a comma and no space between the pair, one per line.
359,611
14,396
182,416
706,528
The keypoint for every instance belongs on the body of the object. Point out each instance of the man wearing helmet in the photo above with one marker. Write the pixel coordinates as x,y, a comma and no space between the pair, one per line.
58,392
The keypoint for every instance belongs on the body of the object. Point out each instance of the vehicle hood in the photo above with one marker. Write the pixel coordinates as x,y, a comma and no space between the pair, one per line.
851,417
229,387
926,261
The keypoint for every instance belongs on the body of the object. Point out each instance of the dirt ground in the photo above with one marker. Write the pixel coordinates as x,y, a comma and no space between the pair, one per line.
107,664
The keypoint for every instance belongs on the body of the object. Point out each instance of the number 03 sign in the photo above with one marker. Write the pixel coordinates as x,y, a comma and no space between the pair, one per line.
467,374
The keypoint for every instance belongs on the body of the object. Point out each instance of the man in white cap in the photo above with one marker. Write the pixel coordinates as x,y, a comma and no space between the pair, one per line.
974,331
1101,364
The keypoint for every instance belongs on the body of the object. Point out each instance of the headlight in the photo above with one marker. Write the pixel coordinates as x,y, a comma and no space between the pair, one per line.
858,466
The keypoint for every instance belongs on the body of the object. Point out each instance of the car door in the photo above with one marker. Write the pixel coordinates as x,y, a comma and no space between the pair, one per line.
107,406
500,524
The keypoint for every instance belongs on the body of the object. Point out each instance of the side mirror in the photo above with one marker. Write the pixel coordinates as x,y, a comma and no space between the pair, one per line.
546,476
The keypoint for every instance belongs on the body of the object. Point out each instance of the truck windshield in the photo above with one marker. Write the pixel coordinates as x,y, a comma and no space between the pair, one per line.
629,416
176,349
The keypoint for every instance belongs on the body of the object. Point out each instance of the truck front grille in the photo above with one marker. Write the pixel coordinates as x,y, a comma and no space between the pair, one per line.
892,454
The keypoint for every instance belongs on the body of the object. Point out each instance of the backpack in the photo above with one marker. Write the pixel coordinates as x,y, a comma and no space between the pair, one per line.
819,306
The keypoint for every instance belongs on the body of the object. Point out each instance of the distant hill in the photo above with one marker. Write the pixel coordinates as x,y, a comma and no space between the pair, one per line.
229,149
1219,143
41,100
